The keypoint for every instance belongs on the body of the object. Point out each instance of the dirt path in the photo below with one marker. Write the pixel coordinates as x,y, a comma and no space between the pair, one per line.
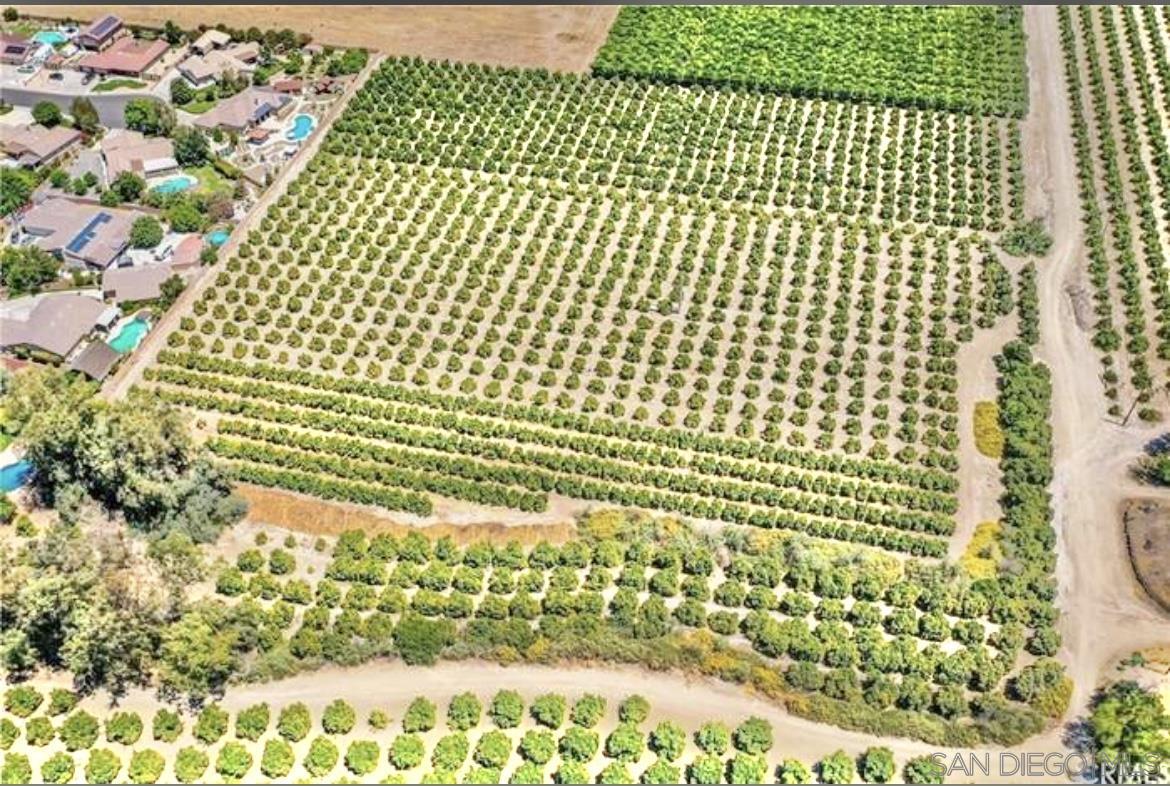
979,486
391,685
1105,613
144,356
560,38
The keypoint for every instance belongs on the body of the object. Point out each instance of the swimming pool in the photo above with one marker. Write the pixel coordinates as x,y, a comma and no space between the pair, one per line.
130,336
218,237
50,37
302,126
14,476
173,185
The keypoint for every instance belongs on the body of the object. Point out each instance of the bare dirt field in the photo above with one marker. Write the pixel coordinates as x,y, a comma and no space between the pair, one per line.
561,38
300,513
1147,531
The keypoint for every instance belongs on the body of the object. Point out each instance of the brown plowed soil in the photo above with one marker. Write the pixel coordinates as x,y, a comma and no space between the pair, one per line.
561,38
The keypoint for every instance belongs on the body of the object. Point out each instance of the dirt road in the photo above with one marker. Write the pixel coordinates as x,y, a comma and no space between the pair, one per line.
561,38
1105,614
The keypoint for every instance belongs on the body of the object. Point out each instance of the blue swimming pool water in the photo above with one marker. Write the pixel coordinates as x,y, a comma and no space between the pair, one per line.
173,185
129,336
14,476
218,237
302,126
50,37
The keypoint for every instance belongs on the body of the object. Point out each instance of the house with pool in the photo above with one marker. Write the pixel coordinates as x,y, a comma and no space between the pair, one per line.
54,326
124,150
245,110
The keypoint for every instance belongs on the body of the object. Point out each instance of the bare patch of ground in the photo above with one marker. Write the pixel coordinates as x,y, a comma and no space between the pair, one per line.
1147,533
560,38
464,522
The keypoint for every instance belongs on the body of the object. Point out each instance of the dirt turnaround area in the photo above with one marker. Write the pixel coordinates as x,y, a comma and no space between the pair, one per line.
1147,532
560,38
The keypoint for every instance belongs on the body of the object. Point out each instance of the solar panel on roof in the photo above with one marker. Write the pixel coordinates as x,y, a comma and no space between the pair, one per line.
84,236
104,26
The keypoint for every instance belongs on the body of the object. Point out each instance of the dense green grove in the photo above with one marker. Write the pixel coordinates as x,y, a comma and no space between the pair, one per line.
962,58
612,306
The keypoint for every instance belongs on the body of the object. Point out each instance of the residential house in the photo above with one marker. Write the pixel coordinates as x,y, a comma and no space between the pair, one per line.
207,69
96,360
53,323
128,56
82,234
188,253
15,50
331,84
244,110
130,151
100,33
121,284
290,86
33,145
209,40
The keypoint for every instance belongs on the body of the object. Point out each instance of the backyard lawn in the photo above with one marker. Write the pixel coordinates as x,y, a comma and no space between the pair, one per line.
118,84
211,180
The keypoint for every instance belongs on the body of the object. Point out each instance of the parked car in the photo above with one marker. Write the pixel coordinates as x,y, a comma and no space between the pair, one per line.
56,76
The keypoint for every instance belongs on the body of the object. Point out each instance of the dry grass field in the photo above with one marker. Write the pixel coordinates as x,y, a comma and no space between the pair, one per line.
562,38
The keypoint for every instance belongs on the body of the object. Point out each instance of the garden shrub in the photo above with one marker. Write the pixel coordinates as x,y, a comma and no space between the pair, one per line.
102,766
190,765
211,724
588,710
233,761
18,769
79,731
634,710
22,700
58,768
493,749
252,722
39,731
625,743
322,757
407,751
146,766
338,718
464,712
538,746
166,725
548,710
579,744
278,759
61,701
124,728
988,434
294,722
362,756
877,765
